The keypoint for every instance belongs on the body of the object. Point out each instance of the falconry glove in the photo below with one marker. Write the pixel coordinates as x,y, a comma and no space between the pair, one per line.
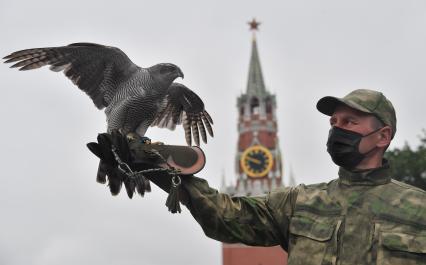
116,164
133,163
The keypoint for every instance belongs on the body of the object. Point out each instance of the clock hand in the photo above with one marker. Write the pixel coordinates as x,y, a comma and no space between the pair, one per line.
254,160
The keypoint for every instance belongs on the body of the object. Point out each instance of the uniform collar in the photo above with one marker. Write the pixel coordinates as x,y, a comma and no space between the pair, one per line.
375,176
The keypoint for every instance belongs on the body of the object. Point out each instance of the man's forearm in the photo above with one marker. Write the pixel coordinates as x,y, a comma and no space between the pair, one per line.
231,219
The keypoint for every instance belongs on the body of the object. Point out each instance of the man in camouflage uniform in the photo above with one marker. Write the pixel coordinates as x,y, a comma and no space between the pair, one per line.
363,217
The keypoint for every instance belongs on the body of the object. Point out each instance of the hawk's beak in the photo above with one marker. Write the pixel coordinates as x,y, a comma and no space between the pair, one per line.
180,74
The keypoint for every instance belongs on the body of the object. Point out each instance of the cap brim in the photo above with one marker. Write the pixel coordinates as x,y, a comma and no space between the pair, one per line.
327,105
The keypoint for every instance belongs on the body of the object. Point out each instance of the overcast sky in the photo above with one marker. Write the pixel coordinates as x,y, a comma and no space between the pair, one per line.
53,211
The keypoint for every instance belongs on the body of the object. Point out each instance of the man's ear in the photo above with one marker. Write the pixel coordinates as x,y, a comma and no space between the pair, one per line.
385,136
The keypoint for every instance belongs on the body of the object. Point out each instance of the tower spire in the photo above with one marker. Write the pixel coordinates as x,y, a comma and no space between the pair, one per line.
255,83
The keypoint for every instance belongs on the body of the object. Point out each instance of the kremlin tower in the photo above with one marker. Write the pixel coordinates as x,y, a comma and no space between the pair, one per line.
258,161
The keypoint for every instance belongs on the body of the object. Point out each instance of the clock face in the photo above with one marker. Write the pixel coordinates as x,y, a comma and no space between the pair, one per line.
256,161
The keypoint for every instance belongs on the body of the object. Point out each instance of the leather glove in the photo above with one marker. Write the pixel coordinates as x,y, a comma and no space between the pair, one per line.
111,146
110,169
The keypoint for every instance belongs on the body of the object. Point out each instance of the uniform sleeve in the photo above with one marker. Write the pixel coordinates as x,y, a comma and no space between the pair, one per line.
255,221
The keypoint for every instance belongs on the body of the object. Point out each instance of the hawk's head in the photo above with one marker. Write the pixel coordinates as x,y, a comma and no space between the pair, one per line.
165,72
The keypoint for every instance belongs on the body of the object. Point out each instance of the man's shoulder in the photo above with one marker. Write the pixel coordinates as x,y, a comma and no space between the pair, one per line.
316,198
407,188
396,191
399,192
307,192
399,202
312,197
317,186
306,188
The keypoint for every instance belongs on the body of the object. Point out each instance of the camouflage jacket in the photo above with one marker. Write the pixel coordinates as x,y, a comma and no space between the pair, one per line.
360,218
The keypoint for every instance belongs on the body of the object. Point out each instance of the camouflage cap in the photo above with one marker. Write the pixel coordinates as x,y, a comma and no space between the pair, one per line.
365,100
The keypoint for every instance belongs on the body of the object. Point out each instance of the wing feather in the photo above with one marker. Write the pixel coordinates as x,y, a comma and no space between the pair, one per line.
207,124
202,130
195,133
96,69
187,128
184,107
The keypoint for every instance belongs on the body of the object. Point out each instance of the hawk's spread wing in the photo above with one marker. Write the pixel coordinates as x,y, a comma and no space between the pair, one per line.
94,68
184,106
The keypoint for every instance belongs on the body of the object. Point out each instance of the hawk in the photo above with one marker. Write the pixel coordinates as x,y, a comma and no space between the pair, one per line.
134,98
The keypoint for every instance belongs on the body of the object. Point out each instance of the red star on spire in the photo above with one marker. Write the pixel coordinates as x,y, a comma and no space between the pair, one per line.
253,24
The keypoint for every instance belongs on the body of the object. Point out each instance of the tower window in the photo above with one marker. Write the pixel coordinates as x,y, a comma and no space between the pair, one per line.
254,106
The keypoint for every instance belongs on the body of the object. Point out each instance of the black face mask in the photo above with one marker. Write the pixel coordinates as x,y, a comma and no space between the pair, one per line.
343,147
